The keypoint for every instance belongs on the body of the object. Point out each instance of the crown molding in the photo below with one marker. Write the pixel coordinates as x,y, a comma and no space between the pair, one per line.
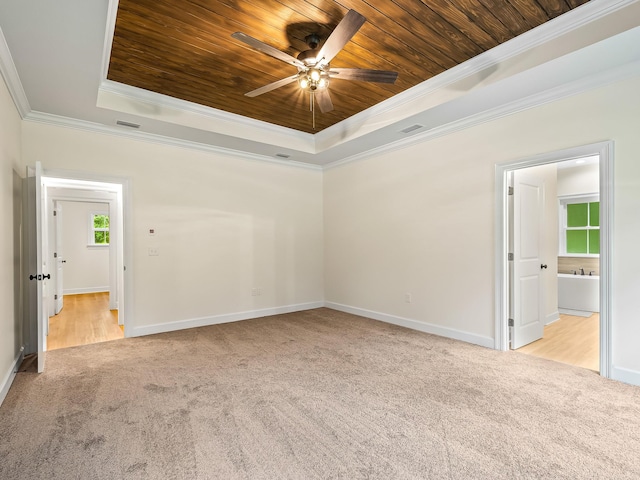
206,118
61,121
12,79
582,85
536,37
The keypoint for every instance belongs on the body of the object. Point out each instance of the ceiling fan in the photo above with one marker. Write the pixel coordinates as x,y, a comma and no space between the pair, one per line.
314,71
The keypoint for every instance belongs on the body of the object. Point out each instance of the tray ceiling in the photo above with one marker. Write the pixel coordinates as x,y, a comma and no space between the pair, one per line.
185,50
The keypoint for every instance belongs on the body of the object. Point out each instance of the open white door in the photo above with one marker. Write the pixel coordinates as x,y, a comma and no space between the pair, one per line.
36,255
59,260
527,307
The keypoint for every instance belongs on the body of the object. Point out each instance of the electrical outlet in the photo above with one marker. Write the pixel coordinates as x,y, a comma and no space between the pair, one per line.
407,298
153,251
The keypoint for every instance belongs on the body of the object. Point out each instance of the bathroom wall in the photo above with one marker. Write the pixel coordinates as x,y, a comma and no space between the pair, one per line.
579,180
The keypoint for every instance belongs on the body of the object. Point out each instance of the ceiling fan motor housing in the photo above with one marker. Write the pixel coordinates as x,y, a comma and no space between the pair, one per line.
315,74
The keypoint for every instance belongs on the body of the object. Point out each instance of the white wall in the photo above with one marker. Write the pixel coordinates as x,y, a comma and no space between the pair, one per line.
87,267
579,180
10,213
421,219
224,226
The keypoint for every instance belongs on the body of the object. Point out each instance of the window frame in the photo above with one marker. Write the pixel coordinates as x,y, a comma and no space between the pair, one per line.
563,201
91,240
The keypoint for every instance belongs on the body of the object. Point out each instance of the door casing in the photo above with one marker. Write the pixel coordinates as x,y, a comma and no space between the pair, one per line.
605,150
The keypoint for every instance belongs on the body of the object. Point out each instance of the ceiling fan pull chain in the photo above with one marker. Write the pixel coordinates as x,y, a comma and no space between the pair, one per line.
313,110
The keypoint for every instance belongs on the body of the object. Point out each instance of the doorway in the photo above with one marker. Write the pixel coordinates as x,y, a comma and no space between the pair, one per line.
85,244
506,291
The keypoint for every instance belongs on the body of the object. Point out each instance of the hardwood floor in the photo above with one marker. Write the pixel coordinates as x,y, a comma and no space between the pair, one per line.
85,318
573,340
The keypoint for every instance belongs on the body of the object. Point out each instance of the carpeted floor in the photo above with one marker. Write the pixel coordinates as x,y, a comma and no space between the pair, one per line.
314,395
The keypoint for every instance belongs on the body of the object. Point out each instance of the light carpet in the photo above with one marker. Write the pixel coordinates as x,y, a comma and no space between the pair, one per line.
314,395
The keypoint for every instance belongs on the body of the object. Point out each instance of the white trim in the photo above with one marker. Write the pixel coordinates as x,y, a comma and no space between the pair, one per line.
238,122
492,58
12,79
81,290
605,151
112,13
535,100
626,375
575,313
218,319
552,317
10,375
415,325
122,225
57,120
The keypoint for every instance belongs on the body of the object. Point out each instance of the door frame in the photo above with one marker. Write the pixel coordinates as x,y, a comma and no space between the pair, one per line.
124,275
605,150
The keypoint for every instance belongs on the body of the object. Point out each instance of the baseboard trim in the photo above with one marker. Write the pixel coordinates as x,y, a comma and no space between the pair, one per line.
10,376
552,317
79,291
625,375
575,313
217,319
416,325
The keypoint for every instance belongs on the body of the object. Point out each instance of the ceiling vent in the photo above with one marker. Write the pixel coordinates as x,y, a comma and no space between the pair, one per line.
282,155
127,124
412,128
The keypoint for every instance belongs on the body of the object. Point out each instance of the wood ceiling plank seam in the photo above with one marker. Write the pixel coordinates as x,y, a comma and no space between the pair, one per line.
190,69
554,8
423,13
167,42
576,3
463,23
263,19
191,95
386,29
508,15
484,18
406,63
259,109
533,13
409,40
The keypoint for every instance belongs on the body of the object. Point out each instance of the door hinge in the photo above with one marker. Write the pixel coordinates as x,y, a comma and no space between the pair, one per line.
55,254
55,297
55,213
510,257
510,191
511,322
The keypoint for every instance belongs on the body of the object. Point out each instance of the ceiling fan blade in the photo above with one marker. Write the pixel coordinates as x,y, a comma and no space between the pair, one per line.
268,49
364,75
346,29
324,100
272,86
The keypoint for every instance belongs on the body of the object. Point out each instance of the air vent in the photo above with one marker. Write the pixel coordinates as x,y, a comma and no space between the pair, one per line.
282,155
412,128
127,124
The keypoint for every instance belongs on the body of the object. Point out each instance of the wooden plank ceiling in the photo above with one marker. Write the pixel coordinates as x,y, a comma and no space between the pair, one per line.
185,50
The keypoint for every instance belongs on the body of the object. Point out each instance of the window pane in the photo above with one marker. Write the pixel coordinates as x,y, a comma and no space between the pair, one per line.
594,241
106,236
594,214
100,221
100,237
576,241
577,215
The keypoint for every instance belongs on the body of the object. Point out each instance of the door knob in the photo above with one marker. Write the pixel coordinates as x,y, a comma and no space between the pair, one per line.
47,276
543,266
64,261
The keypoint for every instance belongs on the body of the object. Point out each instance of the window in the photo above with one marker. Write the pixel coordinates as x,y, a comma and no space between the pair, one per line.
580,225
99,229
